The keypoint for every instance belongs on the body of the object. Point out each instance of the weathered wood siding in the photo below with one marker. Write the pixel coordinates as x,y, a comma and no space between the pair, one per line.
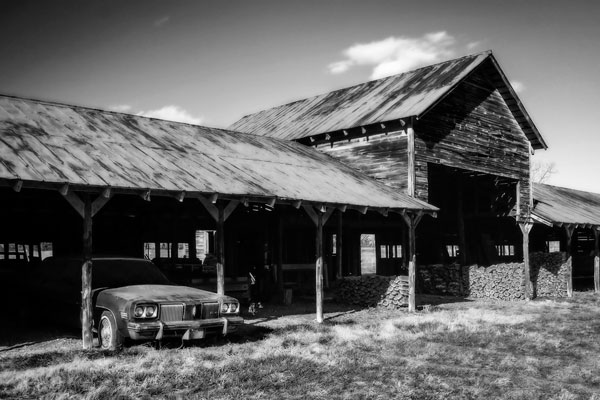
473,129
382,157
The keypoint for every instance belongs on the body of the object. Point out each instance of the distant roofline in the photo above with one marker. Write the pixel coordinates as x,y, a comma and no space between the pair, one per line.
487,52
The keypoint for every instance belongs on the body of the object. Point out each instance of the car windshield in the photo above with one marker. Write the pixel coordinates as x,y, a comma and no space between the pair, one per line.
124,272
106,272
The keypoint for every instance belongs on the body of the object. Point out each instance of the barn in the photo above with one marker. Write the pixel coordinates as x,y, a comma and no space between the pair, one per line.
145,187
431,166
457,136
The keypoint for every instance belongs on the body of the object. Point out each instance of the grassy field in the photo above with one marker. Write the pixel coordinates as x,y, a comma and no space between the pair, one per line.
543,349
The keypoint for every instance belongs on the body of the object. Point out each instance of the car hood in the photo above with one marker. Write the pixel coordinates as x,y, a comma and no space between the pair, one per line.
160,293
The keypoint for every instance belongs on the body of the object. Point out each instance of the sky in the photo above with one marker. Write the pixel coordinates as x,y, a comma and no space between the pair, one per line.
212,62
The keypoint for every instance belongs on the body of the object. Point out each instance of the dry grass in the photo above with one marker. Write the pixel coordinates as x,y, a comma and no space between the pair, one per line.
543,349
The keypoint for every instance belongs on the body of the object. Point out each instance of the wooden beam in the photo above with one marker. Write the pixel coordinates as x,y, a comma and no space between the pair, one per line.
231,206
296,204
327,214
569,229
338,246
213,198
86,277
280,255
181,196
220,249
18,186
596,261
75,202
411,159
64,189
210,207
411,221
528,289
99,203
319,268
311,213
146,195
460,221
106,193
343,208
271,202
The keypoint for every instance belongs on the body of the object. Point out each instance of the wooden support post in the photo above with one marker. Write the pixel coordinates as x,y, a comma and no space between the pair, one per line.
220,249
280,255
569,230
596,261
527,287
412,220
410,133
86,276
460,220
338,247
319,267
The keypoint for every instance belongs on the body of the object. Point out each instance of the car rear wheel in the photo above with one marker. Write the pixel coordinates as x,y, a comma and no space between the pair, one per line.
108,334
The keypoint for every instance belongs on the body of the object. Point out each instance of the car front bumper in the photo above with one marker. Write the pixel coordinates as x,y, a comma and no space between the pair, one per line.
192,329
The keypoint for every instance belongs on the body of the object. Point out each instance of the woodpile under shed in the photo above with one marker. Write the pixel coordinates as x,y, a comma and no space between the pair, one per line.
373,290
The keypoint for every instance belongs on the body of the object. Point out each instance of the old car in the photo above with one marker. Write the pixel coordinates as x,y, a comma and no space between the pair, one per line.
132,299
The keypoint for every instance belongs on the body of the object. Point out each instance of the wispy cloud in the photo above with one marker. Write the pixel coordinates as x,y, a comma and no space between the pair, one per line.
397,54
161,21
473,45
172,113
120,108
518,86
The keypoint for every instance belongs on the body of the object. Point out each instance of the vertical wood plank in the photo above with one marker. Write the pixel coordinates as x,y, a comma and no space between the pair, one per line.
86,276
412,264
410,133
569,230
280,254
319,267
596,261
338,246
460,219
220,247
525,229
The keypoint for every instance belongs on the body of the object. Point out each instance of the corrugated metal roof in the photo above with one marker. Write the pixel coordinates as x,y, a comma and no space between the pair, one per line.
410,94
559,205
55,143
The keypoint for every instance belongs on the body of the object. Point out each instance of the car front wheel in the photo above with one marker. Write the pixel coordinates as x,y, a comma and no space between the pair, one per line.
108,334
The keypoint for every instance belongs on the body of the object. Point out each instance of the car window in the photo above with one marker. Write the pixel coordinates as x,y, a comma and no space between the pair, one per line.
105,273
117,273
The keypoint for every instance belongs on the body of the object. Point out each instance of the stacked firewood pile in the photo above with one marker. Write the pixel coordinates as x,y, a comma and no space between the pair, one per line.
441,279
549,274
499,281
373,290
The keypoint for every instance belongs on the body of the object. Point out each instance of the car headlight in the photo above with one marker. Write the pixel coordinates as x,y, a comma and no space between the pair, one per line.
138,312
145,311
229,308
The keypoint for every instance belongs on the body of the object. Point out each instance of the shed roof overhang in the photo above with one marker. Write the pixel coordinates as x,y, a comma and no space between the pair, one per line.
69,148
559,206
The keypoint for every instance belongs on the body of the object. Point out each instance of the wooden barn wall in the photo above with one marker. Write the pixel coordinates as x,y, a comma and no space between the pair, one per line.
382,156
472,129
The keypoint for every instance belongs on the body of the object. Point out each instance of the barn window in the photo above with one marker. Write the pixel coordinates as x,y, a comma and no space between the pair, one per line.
505,250
47,250
452,250
553,246
183,250
390,251
367,254
149,250
165,250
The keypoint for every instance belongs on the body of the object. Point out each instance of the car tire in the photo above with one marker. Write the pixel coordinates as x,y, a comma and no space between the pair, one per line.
109,336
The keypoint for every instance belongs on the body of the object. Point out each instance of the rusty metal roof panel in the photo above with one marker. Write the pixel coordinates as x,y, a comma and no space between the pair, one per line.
56,143
410,94
559,205
398,96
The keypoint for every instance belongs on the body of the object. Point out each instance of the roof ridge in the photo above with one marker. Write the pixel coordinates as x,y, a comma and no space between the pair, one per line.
67,105
473,55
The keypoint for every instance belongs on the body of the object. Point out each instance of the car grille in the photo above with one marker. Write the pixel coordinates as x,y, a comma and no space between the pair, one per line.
210,310
171,312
